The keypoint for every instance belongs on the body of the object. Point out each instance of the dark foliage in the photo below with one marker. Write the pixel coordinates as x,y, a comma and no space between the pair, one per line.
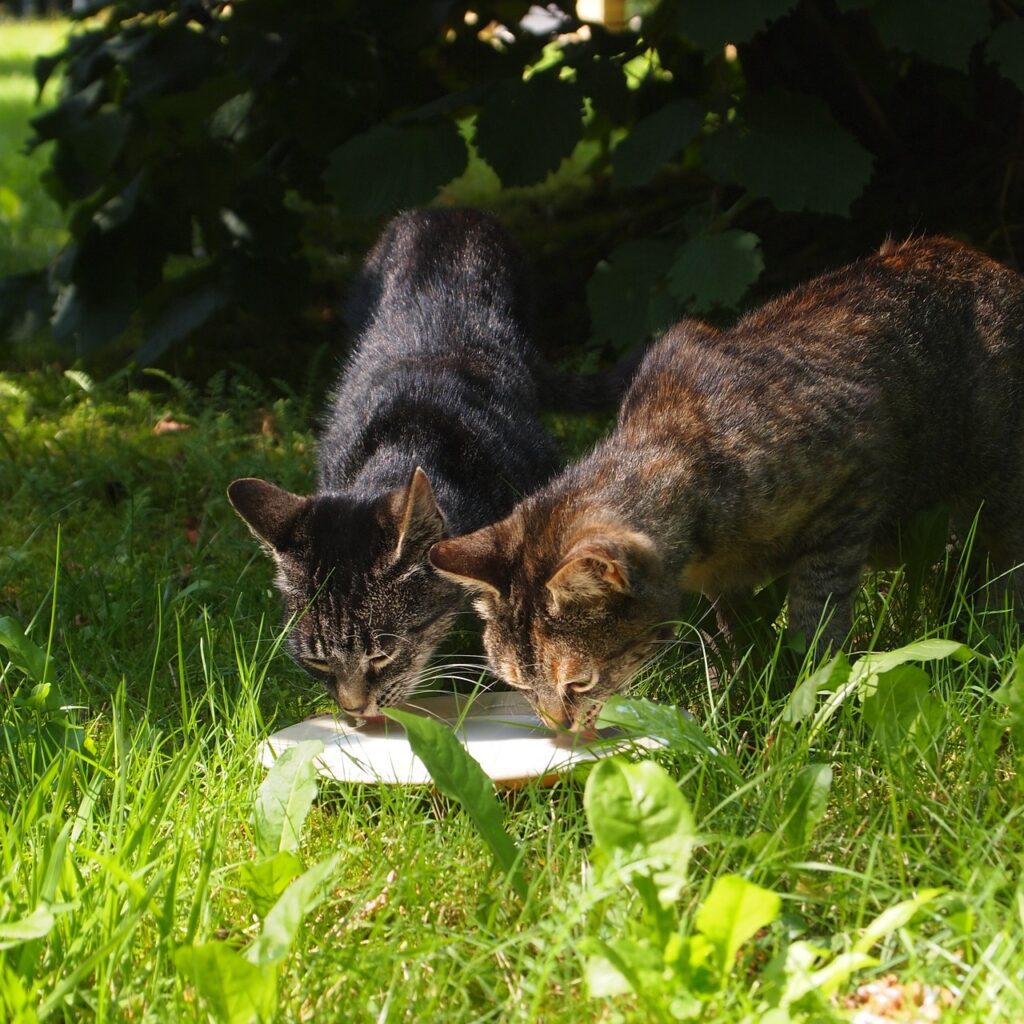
215,160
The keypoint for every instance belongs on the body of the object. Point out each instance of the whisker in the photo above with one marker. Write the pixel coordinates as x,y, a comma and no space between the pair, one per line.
420,707
445,670
455,673
459,664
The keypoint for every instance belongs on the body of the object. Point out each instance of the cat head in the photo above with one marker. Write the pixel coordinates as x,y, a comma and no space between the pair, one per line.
572,610
369,610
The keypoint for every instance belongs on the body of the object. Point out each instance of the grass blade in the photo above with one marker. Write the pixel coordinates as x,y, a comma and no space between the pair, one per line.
459,777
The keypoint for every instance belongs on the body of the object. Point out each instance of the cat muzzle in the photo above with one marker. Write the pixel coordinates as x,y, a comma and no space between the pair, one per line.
552,709
354,699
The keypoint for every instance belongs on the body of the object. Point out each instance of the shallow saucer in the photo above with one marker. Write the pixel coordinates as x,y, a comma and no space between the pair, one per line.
500,731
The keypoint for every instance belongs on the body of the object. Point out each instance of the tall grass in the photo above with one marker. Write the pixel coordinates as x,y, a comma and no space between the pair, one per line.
123,843
140,667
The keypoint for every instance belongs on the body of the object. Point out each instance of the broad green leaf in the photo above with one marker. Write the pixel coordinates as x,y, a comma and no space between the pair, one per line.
692,961
1006,48
285,797
903,712
670,725
825,679
628,293
791,151
1011,694
42,698
35,926
806,802
182,316
715,270
173,60
526,129
893,918
865,671
264,880
617,966
235,991
733,912
230,120
459,777
10,205
284,919
777,1015
787,977
623,965
118,210
641,821
42,69
98,142
24,654
68,116
654,140
395,165
877,662
944,33
604,83
89,321
826,980
712,25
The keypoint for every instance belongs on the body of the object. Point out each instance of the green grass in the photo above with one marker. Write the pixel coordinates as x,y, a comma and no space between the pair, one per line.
125,818
163,649
31,227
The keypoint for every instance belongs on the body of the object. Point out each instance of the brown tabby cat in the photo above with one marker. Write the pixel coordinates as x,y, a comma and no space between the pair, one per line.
793,442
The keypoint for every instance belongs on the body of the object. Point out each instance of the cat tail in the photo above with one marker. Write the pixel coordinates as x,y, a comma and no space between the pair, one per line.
563,391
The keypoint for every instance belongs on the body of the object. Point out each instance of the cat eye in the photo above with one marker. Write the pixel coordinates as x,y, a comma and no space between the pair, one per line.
583,685
316,665
379,660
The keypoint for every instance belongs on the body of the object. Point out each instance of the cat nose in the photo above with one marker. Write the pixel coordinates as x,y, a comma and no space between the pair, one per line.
551,709
353,696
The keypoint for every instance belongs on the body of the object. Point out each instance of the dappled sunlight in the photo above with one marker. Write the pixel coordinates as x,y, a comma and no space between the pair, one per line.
784,829
31,223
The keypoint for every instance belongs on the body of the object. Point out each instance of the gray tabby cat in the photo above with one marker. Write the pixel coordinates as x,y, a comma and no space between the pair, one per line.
433,430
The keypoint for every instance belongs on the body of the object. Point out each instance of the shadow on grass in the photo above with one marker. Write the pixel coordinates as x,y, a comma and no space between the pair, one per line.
20,66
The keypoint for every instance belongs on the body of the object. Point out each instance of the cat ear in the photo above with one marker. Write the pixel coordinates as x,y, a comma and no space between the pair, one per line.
473,561
419,520
268,511
599,567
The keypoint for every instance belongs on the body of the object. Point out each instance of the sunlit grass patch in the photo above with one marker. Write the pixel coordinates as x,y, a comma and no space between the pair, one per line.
127,844
31,227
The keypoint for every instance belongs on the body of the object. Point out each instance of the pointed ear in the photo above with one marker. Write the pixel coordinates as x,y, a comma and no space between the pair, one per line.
416,514
599,566
474,561
268,511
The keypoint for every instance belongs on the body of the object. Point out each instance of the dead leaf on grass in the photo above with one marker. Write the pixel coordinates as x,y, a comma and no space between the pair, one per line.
888,999
168,425
371,906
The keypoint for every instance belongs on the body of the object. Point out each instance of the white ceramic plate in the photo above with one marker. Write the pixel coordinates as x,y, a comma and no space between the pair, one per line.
500,731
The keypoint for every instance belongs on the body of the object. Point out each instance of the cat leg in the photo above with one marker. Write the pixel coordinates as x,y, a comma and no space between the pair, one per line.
746,619
822,585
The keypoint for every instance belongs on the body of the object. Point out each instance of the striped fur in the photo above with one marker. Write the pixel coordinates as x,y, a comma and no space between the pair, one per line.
433,429
792,443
